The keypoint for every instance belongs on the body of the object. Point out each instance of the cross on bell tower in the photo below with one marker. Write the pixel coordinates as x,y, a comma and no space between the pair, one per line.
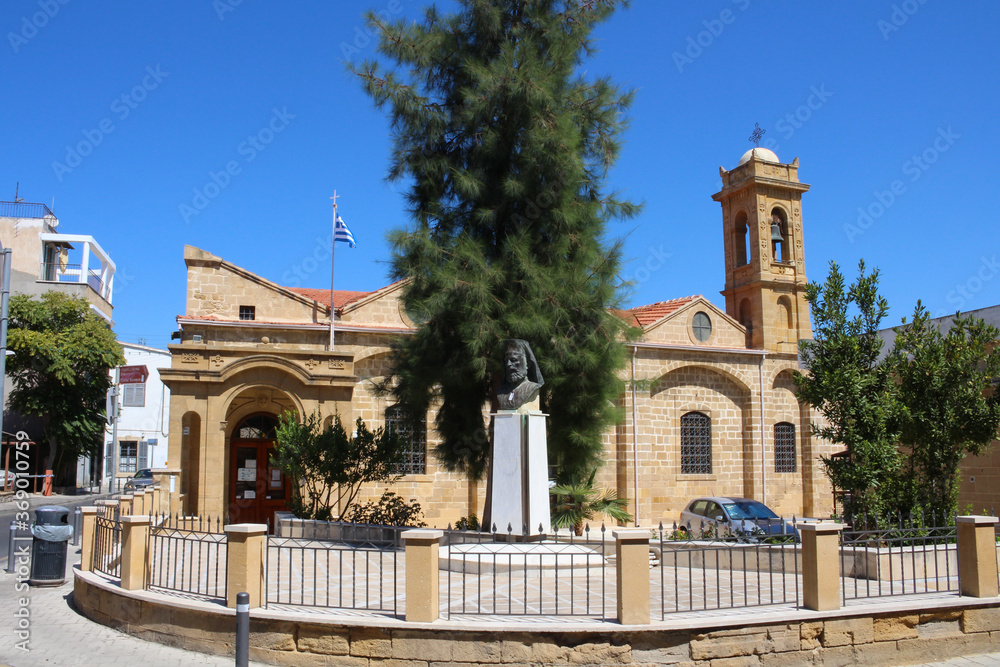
765,265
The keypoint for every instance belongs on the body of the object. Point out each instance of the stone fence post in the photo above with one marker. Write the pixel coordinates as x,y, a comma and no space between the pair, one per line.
168,479
632,575
134,564
821,565
87,531
245,562
977,556
423,602
125,504
154,495
139,503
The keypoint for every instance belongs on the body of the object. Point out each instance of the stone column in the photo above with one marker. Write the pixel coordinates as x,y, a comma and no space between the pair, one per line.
154,495
87,531
422,592
821,565
632,575
139,503
125,504
245,562
977,556
169,481
135,534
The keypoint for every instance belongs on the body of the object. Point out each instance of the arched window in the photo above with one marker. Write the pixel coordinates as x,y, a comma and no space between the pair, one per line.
696,444
779,249
784,447
741,239
257,427
415,438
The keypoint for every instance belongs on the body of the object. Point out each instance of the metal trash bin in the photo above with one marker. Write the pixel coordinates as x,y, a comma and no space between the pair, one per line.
50,533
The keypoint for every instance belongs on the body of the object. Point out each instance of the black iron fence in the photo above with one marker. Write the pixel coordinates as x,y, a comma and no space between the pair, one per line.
362,575
898,555
507,574
186,559
108,543
704,567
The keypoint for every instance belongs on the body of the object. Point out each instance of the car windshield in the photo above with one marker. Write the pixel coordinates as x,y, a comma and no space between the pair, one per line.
146,473
749,510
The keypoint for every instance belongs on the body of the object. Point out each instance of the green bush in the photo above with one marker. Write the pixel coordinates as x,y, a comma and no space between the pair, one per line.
390,510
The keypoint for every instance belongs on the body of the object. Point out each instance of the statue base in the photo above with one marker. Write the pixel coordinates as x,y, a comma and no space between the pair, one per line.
519,477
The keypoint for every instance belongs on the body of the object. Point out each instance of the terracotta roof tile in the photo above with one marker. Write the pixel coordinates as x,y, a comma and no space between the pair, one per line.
654,312
340,297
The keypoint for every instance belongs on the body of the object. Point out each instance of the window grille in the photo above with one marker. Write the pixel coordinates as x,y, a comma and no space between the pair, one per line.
702,326
128,454
248,312
696,444
415,441
257,427
784,447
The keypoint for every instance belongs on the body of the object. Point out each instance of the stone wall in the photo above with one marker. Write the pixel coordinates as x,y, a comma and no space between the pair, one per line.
923,633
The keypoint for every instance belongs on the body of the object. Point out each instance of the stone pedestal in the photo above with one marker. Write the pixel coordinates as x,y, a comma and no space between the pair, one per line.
519,478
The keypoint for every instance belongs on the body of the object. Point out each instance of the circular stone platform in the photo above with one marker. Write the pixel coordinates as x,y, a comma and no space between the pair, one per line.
475,558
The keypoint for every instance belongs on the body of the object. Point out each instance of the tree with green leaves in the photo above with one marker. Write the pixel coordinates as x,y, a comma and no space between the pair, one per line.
852,389
60,373
506,147
948,404
320,460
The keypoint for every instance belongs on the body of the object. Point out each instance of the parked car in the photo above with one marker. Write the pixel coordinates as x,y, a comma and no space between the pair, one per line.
140,480
741,517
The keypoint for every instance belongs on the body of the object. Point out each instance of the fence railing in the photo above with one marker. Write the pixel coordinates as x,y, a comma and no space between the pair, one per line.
704,568
186,559
899,555
555,575
637,575
108,543
360,575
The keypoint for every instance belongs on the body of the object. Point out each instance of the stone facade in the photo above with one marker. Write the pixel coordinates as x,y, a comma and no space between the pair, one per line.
251,347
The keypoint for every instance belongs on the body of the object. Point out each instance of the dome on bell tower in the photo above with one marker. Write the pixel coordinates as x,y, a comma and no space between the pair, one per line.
760,154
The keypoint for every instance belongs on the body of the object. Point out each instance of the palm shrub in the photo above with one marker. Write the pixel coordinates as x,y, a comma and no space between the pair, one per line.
576,501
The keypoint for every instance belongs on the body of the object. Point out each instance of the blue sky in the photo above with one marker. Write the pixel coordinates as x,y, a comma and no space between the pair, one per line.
890,107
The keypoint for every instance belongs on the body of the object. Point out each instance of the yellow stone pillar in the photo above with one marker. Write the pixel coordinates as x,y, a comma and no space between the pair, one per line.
168,479
632,575
139,503
125,504
821,565
977,556
422,591
245,562
88,529
135,534
154,496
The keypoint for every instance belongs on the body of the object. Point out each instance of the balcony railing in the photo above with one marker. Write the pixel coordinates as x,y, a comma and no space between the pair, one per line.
73,273
10,209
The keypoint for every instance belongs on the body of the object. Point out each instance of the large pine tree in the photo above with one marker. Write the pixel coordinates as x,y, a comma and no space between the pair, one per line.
506,146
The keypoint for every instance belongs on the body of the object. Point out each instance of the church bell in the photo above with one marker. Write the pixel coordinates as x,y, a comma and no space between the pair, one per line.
776,232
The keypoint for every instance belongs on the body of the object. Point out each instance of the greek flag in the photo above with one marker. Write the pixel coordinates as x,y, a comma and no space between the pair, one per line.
342,233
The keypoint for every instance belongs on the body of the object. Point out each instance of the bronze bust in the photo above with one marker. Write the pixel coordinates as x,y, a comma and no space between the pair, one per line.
522,377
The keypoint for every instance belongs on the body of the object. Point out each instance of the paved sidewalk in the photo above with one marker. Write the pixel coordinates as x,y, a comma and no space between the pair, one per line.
61,636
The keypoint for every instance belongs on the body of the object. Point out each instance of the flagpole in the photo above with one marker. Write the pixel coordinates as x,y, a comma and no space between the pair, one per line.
333,247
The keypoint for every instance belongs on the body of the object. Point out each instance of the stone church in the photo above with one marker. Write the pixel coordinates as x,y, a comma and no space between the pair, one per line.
709,408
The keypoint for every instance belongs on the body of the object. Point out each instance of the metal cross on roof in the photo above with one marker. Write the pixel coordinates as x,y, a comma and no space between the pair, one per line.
758,132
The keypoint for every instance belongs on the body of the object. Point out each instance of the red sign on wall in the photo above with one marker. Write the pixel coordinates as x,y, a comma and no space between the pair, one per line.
132,374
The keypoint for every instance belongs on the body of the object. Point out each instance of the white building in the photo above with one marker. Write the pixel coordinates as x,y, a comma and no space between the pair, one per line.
144,417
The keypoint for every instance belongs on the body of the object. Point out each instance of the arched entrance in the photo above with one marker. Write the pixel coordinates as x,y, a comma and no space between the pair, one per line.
256,488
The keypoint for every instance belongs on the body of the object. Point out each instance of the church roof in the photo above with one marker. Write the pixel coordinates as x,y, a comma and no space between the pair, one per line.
340,297
643,316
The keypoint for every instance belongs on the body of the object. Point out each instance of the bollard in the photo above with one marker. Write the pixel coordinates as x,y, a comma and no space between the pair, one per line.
10,548
242,629
77,526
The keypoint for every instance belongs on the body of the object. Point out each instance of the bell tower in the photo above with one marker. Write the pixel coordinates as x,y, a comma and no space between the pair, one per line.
765,266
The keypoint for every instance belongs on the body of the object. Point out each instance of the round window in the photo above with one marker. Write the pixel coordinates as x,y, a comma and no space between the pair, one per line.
702,326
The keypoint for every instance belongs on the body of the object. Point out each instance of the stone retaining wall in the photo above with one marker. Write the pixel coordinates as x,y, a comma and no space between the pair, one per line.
929,631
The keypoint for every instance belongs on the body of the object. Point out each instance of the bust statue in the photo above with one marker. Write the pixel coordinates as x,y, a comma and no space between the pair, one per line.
522,377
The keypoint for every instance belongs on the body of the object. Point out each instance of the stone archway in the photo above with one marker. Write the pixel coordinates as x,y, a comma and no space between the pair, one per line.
254,489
